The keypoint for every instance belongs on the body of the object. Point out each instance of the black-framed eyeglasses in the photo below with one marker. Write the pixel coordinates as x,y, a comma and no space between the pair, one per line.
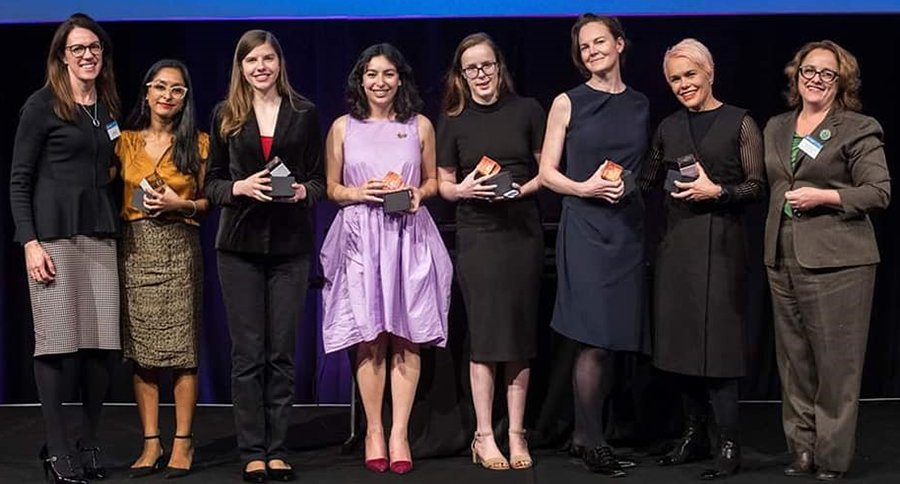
488,68
78,50
160,88
826,75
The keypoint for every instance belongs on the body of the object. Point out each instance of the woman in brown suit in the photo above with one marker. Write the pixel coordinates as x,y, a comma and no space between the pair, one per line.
826,169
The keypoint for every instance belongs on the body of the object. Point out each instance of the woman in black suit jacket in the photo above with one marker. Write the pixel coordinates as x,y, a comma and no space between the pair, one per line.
826,169
263,243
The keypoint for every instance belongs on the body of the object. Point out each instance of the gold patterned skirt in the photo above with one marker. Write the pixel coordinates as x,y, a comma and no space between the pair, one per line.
162,293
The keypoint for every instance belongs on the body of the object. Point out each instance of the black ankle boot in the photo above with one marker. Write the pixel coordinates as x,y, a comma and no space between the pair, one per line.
728,461
693,446
61,469
90,459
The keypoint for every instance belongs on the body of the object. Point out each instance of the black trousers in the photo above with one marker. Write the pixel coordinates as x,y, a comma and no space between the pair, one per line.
264,299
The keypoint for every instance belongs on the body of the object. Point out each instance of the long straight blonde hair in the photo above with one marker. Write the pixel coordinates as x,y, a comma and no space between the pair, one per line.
239,101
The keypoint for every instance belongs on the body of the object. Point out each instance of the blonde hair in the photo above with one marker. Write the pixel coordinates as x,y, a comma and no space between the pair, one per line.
239,101
848,75
694,51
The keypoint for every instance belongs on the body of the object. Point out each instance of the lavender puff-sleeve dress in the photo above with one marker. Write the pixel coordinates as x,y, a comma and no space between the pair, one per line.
383,272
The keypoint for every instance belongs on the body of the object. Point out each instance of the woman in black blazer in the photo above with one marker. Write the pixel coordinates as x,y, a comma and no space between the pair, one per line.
263,242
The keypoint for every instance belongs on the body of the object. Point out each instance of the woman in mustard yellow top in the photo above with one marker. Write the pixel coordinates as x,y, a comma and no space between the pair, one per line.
161,265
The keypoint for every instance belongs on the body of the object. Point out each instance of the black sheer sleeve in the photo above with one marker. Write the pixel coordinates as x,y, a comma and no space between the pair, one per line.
751,147
654,168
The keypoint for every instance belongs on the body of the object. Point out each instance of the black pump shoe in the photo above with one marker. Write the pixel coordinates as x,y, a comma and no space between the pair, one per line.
280,474
693,446
179,472
61,469
728,462
90,462
144,471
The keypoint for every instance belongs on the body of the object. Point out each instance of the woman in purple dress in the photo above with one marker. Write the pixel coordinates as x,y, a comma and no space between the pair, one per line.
387,275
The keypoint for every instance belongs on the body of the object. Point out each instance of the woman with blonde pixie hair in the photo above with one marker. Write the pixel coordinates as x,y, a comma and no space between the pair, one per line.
827,171
698,330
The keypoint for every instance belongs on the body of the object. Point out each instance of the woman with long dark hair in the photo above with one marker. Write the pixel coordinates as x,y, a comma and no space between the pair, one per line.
66,218
263,245
387,275
162,272
499,239
600,245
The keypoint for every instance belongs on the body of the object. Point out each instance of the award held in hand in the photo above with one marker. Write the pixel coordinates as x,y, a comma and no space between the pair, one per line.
398,199
151,183
502,179
281,179
687,172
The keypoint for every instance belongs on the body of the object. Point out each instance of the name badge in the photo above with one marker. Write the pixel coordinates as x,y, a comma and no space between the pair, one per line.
810,146
112,130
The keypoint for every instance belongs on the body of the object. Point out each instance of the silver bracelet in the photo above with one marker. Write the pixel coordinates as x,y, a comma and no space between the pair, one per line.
194,211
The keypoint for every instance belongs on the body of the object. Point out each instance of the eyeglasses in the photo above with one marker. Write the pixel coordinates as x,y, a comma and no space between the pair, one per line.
78,50
488,68
826,75
160,88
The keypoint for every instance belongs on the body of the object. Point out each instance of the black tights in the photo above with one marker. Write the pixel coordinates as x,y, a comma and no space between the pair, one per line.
592,379
53,388
700,393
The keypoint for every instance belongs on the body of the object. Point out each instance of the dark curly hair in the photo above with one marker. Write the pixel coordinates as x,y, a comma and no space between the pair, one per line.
407,102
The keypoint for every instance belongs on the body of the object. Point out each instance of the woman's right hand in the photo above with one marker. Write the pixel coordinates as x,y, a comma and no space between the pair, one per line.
370,192
38,263
254,186
469,187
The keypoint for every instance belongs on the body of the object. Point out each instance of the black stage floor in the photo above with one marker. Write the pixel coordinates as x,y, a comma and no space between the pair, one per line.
316,435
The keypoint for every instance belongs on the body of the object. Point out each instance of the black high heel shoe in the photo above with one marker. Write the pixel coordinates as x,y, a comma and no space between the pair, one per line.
60,469
144,471
693,446
90,462
178,472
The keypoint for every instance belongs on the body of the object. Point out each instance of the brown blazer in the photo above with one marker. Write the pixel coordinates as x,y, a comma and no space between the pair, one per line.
852,162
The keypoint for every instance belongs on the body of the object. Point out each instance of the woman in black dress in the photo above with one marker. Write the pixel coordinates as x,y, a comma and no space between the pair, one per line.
66,219
700,280
599,249
499,238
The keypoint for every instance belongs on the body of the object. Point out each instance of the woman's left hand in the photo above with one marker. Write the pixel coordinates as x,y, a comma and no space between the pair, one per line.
165,201
698,190
299,192
415,200
805,198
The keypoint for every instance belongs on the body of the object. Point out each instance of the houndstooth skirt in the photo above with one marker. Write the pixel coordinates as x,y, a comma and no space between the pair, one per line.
80,308
162,280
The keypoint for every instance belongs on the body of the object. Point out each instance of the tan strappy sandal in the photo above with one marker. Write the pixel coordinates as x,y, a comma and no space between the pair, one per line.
520,461
494,463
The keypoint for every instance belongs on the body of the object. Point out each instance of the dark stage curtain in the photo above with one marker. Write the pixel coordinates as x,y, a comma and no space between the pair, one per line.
750,54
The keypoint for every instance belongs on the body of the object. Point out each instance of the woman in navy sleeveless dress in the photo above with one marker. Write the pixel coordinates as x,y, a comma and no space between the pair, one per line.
599,250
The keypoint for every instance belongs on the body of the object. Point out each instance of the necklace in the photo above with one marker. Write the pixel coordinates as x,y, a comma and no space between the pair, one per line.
94,119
